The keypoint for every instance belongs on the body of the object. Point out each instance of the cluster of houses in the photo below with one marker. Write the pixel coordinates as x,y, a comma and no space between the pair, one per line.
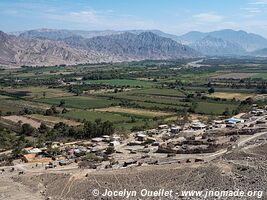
150,146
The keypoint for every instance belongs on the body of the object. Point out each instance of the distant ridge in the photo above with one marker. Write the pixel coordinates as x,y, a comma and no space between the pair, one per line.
70,49
248,41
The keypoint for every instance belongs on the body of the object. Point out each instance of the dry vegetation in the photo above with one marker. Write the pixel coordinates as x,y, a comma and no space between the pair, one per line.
235,76
23,120
228,95
51,120
118,109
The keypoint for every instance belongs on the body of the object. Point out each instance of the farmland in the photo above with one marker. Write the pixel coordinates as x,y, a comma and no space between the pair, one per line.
52,120
138,114
141,112
121,82
80,102
229,95
130,95
91,116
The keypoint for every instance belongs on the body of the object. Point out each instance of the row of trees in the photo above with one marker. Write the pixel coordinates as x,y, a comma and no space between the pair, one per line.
62,130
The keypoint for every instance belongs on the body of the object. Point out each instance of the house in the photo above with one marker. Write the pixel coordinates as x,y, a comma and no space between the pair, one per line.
197,126
97,139
141,137
35,158
114,143
258,112
163,126
116,138
176,129
33,151
106,138
218,122
234,120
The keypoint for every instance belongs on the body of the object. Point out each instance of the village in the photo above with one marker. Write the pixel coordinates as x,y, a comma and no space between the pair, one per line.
193,142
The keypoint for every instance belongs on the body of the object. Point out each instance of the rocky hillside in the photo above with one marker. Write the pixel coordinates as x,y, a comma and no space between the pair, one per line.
16,51
224,42
39,51
146,45
248,41
260,53
216,46
54,34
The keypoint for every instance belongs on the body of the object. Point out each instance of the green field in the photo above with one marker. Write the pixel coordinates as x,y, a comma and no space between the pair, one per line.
91,116
8,105
214,108
80,102
165,86
260,76
121,82
36,92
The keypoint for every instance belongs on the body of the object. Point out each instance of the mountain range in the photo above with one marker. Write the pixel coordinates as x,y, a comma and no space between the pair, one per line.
43,47
71,50
248,41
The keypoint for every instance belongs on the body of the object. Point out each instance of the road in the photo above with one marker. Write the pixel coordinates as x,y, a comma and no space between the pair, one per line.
256,135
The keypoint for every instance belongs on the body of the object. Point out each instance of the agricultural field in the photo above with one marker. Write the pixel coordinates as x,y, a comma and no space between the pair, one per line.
212,108
237,76
161,92
10,105
22,119
52,120
260,76
121,82
229,95
131,95
81,102
93,115
35,92
132,111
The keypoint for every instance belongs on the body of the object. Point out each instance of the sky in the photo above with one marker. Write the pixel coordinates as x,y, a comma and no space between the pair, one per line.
172,16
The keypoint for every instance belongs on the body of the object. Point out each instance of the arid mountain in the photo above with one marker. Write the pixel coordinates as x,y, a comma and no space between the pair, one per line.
260,53
216,46
248,41
17,51
54,34
146,45
232,42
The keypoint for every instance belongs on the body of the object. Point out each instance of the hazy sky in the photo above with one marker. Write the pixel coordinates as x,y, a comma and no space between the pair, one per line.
173,16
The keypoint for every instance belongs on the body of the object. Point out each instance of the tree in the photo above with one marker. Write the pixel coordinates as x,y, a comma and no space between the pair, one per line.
209,84
193,107
44,94
64,111
132,119
43,128
27,129
54,109
226,112
211,90
61,103
110,150
48,112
